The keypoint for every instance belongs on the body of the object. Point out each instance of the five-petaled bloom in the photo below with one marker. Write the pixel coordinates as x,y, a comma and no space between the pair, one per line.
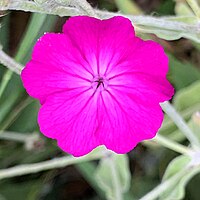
98,84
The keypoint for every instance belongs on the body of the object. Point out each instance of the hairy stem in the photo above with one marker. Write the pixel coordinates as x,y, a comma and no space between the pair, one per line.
156,192
18,137
46,165
15,113
9,62
115,178
170,144
4,82
160,189
181,124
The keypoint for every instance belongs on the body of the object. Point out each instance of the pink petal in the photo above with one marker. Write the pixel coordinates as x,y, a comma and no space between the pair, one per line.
148,58
116,42
126,121
55,66
103,42
148,88
83,32
70,118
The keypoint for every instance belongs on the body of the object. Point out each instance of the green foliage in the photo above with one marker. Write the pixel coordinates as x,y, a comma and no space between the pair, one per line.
30,36
169,34
182,102
166,8
195,124
28,190
105,170
176,165
182,74
186,106
27,117
4,3
179,167
14,89
128,7
182,8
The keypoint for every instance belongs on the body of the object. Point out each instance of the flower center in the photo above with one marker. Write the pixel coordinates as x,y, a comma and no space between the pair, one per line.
99,83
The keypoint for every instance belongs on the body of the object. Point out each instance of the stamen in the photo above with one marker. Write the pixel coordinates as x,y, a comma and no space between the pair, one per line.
99,82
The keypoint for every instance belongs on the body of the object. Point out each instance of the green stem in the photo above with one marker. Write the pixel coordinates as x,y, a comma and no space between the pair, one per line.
181,124
6,77
156,192
46,165
115,178
30,35
171,145
10,63
186,114
160,189
88,169
18,137
25,45
15,113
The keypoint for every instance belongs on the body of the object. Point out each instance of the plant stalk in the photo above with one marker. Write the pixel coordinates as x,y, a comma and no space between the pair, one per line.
181,124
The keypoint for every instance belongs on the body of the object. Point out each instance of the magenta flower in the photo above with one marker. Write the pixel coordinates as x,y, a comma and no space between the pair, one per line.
98,84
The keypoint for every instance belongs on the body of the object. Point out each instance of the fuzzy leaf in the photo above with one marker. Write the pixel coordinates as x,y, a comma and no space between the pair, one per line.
177,188
128,7
181,100
171,34
175,166
104,174
4,3
182,74
182,8
195,124
175,27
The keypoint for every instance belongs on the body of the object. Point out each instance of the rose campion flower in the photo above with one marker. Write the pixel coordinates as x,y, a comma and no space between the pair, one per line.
98,84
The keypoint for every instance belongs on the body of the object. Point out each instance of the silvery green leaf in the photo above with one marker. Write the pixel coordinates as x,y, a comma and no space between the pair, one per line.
177,188
170,34
181,100
195,124
104,174
128,7
4,3
40,1
182,8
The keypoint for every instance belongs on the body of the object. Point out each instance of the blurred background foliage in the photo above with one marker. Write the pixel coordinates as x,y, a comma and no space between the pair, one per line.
18,113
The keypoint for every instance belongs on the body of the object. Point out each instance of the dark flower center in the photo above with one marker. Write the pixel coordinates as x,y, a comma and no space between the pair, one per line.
99,83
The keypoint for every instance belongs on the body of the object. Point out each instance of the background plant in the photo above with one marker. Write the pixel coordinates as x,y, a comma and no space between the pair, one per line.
166,167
